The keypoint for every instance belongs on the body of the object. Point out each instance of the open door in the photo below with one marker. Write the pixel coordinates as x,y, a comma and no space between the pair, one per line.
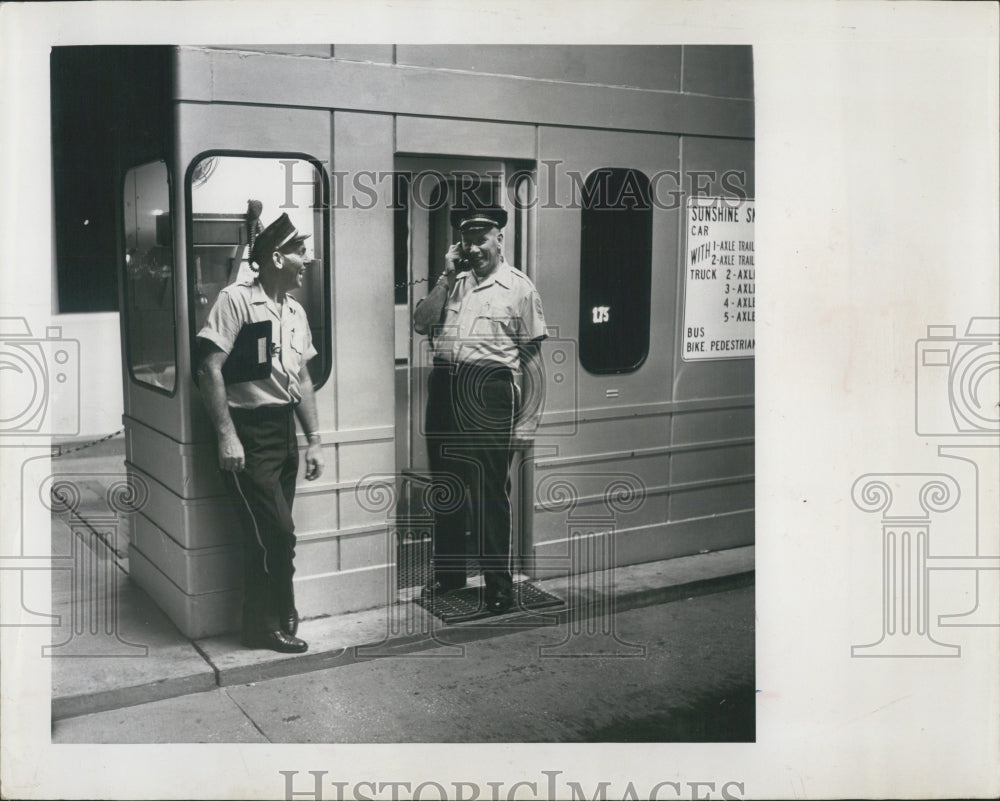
426,191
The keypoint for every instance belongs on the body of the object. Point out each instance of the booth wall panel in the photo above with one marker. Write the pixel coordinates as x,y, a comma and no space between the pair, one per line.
235,77
197,616
156,410
353,511
710,501
615,435
204,522
713,424
605,477
313,50
468,138
363,278
377,53
721,70
356,460
195,571
365,550
580,152
555,525
274,129
348,591
316,511
213,613
646,67
316,554
659,541
189,471
711,463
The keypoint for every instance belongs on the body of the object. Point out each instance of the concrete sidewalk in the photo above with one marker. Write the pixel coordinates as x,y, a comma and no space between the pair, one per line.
114,648
678,672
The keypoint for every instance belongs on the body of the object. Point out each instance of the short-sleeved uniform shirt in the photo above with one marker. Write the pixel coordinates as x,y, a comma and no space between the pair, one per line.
246,302
487,323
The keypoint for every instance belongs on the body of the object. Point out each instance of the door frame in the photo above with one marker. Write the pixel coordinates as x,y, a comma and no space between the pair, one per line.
518,250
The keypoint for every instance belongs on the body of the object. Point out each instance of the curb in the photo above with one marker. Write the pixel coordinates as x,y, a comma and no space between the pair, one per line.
72,706
579,607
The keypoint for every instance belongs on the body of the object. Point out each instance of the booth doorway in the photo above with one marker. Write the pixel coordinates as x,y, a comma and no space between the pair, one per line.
425,191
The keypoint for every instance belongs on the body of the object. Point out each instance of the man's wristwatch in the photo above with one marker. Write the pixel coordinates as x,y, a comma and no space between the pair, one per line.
313,439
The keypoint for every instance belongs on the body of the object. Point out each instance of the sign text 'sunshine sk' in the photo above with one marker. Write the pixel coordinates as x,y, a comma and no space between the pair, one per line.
719,279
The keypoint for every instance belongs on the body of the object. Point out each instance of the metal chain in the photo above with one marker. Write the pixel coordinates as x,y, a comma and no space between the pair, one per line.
57,450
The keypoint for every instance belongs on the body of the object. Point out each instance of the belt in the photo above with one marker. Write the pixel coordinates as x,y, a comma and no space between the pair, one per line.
486,371
261,411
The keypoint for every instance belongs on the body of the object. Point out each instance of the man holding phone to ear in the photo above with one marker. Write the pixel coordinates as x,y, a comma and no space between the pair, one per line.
486,324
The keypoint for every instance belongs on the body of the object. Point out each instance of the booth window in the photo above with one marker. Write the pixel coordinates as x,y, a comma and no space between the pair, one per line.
616,244
401,237
149,277
231,199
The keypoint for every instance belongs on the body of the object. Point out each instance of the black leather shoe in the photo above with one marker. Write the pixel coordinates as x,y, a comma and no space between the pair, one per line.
499,602
289,622
275,641
439,588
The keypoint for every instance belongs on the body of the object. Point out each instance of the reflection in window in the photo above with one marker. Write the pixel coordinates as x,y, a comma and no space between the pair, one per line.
232,199
616,243
149,277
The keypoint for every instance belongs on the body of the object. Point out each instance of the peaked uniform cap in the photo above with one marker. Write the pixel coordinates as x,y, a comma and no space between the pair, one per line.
279,234
479,215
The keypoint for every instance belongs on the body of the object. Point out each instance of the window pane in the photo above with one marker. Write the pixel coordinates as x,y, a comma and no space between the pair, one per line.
401,237
616,241
232,198
149,275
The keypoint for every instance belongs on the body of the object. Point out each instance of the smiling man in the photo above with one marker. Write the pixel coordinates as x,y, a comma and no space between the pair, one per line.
255,425
485,320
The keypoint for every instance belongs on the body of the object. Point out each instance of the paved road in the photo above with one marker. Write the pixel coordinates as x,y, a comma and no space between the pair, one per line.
694,682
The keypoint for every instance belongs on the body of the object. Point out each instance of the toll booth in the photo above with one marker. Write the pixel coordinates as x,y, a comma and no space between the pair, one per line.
646,442
186,233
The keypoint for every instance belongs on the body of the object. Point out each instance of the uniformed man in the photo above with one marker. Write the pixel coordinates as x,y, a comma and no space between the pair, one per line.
255,425
485,321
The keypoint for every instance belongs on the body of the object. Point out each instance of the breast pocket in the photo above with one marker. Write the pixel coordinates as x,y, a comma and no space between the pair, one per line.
447,327
294,353
495,322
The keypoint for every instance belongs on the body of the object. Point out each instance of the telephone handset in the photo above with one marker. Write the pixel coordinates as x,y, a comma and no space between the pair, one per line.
463,262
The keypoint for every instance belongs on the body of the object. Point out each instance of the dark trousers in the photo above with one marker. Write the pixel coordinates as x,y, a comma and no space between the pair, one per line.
470,416
263,494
